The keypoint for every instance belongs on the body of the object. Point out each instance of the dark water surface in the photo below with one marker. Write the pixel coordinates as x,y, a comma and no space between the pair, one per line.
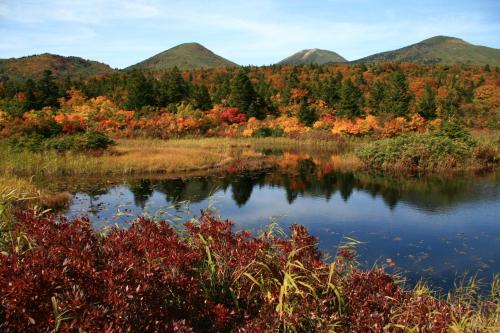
433,228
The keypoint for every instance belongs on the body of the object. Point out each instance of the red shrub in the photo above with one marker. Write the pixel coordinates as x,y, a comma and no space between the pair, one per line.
152,278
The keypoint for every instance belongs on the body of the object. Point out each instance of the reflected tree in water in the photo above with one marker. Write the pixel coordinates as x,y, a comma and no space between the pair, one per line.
346,185
142,190
242,189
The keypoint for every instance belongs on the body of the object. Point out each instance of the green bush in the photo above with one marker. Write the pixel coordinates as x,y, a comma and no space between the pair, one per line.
266,132
456,131
97,140
419,152
35,142
47,128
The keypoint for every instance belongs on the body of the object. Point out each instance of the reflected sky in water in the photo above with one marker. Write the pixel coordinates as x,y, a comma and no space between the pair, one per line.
433,228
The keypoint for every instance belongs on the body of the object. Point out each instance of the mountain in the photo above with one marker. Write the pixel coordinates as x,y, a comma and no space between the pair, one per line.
313,56
439,50
184,56
34,66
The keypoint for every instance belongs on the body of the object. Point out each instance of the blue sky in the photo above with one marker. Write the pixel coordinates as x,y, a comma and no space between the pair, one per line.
258,32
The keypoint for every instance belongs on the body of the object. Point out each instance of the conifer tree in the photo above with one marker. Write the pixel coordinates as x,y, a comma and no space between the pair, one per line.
202,99
243,95
330,93
376,97
139,91
351,100
48,92
30,100
397,97
427,106
307,114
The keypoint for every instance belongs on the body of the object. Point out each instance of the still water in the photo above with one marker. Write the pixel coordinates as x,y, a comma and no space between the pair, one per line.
432,228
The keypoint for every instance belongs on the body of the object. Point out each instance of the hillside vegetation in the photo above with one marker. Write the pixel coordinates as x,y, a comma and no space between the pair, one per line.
439,50
34,66
184,56
313,56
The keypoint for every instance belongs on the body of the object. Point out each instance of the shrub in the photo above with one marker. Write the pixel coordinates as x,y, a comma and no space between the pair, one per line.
79,142
419,152
47,128
265,132
97,140
64,276
456,131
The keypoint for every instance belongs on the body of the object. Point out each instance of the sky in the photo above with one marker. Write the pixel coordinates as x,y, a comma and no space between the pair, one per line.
252,32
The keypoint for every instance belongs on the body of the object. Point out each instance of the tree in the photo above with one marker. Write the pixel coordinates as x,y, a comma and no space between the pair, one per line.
291,81
351,100
30,100
451,104
222,89
307,115
139,91
397,97
48,92
176,86
202,99
172,88
66,85
427,106
243,95
330,90
376,97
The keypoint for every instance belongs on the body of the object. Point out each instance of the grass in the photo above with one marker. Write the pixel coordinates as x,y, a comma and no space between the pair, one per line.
143,156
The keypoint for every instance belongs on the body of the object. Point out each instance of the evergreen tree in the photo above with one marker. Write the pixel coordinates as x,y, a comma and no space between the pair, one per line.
330,93
291,81
427,106
307,115
139,91
177,89
202,99
243,95
30,100
451,104
376,97
351,100
66,85
48,92
222,90
172,88
397,97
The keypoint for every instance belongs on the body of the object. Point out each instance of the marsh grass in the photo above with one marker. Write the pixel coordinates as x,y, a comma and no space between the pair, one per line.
150,156
128,157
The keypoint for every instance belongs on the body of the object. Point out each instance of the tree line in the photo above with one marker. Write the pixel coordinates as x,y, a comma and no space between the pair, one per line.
350,91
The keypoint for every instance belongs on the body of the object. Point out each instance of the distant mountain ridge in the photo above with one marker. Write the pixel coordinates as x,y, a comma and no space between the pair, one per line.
313,56
184,56
439,50
435,50
33,67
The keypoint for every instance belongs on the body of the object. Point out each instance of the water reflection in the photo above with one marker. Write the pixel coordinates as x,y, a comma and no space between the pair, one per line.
429,194
432,227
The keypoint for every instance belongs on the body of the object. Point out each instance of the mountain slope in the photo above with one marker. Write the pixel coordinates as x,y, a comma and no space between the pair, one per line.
184,56
34,66
439,50
312,56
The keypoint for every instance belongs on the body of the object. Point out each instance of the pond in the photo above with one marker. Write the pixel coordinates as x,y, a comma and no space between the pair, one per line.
435,228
